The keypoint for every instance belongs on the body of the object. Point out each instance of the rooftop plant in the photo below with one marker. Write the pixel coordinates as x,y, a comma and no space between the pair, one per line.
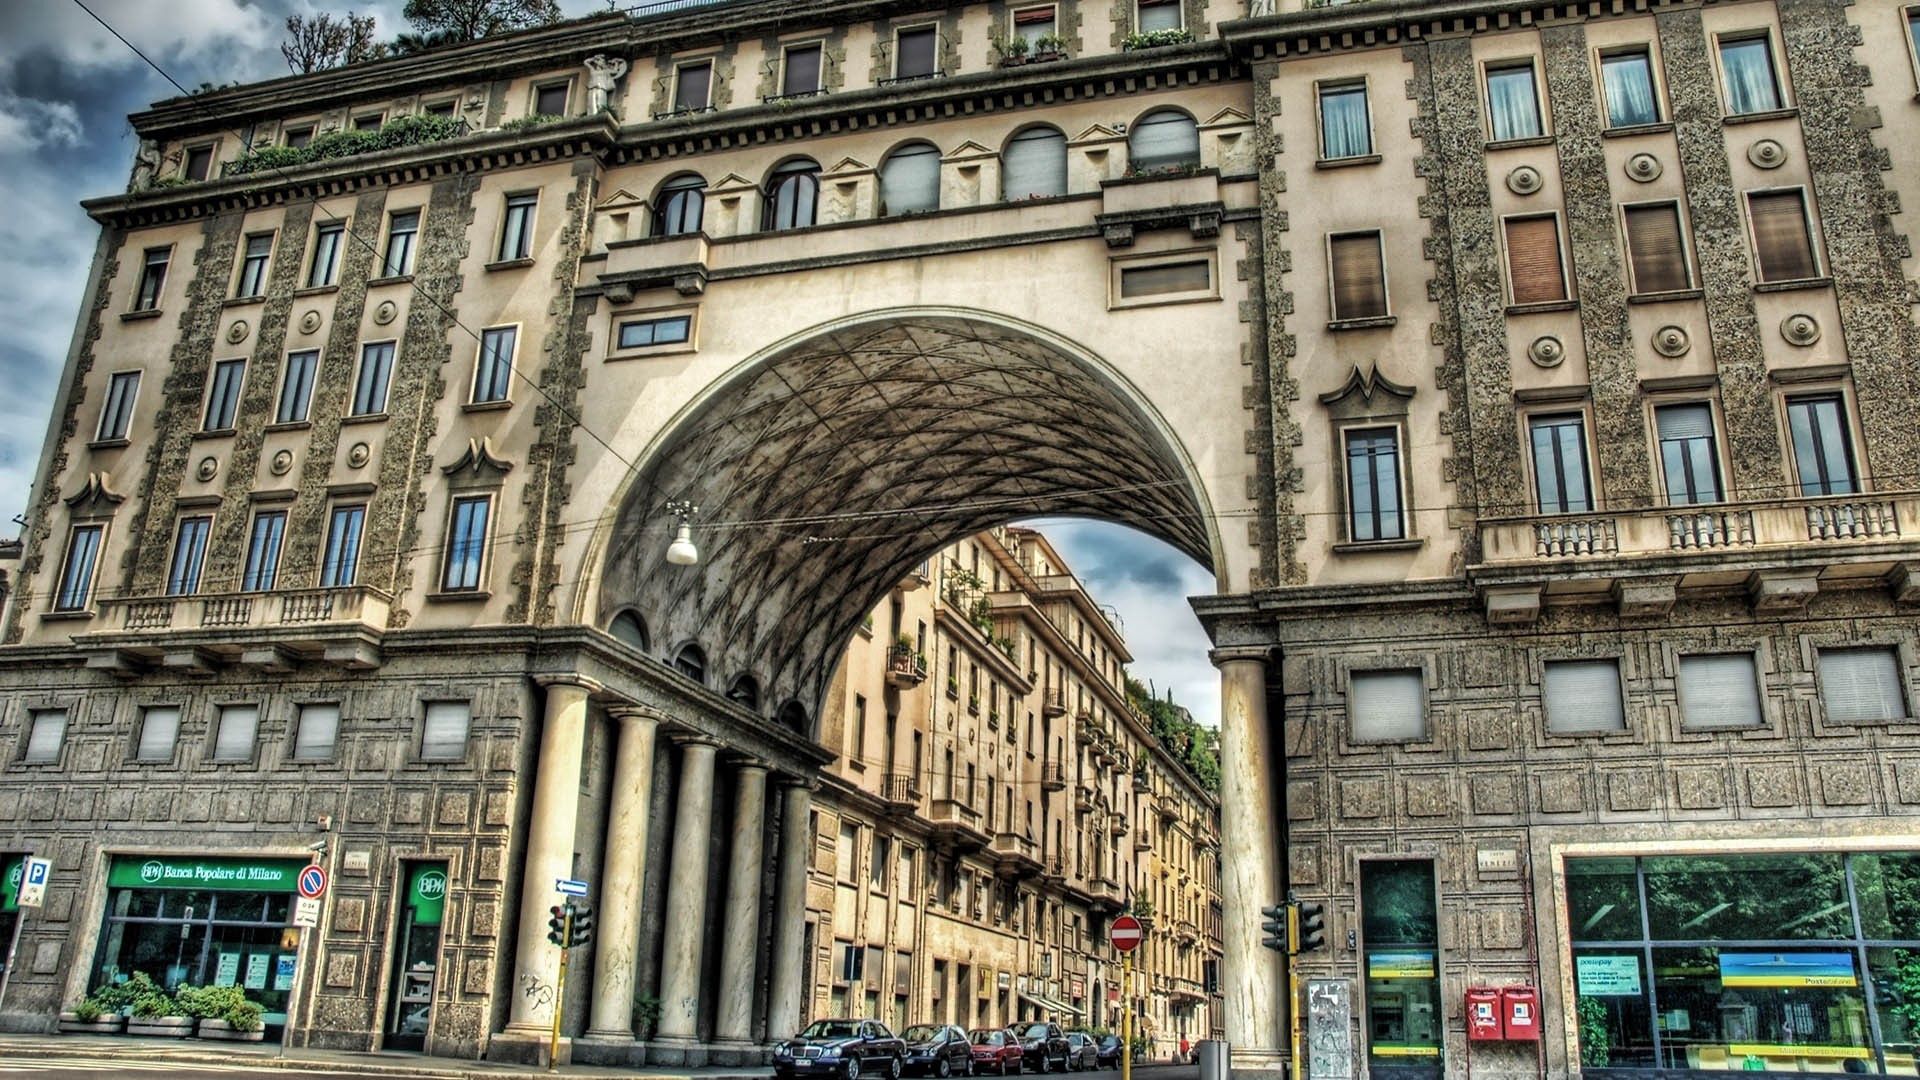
398,132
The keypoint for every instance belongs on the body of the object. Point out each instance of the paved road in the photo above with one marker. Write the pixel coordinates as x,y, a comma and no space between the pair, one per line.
83,1067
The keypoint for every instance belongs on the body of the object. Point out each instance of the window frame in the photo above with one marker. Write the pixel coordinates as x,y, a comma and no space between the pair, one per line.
1567,295
1900,674
1781,85
251,576
1809,219
1389,665
451,547
305,132
1034,134
298,726
241,291
335,513
528,201
674,107
1910,25
619,319
820,75
913,148
1179,9
1013,22
1542,121
1721,471
466,743
359,122
32,724
1762,722
777,178
1686,245
1531,417
1850,432
67,566
146,711
216,383
1334,317
915,27
142,301
336,228
304,413
1119,265
187,152
1321,88
387,269
480,367
220,710
1343,431
536,89
1547,663
1662,114
129,402
386,381
182,580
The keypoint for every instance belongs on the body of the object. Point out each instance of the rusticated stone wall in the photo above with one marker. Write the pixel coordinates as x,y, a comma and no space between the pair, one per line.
1279,477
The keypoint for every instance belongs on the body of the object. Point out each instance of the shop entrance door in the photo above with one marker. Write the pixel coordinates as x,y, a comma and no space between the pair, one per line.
416,956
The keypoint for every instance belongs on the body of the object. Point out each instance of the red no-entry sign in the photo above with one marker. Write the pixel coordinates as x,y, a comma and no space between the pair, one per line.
1126,933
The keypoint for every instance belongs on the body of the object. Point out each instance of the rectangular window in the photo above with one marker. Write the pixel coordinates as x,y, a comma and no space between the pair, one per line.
369,122
1346,131
1373,485
1560,463
1746,64
1513,102
1358,272
370,383
402,229
439,108
253,266
847,854
299,137
1822,450
641,333
693,87
223,399
466,544
1387,706
1656,250
315,731
1913,35
877,867
115,420
1158,15
550,100
1626,81
199,164
234,732
915,53
1689,460
1180,277
443,735
493,371
46,731
1720,690
189,553
1862,685
1534,268
1034,23
1583,696
1400,926
341,563
263,551
1782,236
153,276
800,73
325,267
516,228
76,573
296,387
159,730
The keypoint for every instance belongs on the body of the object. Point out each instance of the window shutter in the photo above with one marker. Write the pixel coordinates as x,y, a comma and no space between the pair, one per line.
803,71
1359,277
1861,685
916,53
233,741
1159,15
1033,15
1655,248
1584,696
1164,139
159,728
910,180
1533,260
319,729
691,90
1684,421
1780,239
1719,691
1384,706
1034,164
48,731
444,735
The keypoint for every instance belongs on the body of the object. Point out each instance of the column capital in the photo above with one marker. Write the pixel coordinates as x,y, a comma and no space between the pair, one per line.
568,678
789,780
687,740
1236,654
630,711
748,763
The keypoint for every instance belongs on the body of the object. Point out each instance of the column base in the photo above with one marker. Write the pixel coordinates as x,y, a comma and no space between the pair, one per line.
677,1050
527,1044
1257,1064
689,1054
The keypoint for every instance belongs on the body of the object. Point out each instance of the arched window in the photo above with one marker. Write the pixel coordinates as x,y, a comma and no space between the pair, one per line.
793,716
679,206
910,180
1163,139
691,662
745,691
627,627
793,193
1034,165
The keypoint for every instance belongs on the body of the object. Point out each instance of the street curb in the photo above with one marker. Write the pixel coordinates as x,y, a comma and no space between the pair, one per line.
53,1049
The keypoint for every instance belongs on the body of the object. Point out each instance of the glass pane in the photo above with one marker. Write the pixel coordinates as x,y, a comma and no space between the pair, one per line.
1512,106
1343,123
1752,1010
1628,83
1748,65
1603,900
1895,975
1616,1023
1888,889
1403,1009
1747,897
1397,902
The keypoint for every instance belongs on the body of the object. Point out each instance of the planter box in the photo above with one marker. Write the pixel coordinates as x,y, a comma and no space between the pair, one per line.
112,1024
220,1029
169,1027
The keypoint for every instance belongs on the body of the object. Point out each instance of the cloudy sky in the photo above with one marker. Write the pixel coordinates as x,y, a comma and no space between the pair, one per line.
66,87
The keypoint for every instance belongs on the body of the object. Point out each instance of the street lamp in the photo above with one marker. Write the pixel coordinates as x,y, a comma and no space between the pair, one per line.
682,552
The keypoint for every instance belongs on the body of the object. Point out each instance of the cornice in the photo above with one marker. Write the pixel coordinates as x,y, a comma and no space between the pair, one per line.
1371,24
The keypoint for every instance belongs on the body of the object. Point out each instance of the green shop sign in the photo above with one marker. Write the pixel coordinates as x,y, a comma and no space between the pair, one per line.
427,893
11,868
191,872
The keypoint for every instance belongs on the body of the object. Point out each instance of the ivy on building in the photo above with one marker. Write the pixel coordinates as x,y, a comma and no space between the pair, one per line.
1193,745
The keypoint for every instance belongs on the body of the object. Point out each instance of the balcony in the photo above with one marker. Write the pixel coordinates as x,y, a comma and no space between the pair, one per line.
1185,931
1168,809
1084,798
956,825
901,791
1055,703
906,668
1143,843
1056,872
1053,776
1015,855
270,630
1106,894
1117,824
1083,727
1141,783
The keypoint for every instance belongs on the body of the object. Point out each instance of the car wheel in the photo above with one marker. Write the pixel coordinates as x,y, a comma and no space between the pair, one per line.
853,1068
942,1069
895,1067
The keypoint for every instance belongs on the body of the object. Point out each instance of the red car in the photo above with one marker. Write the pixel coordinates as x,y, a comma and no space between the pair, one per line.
996,1050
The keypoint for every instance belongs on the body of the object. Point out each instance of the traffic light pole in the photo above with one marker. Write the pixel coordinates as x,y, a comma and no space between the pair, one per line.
1126,1016
1293,987
560,990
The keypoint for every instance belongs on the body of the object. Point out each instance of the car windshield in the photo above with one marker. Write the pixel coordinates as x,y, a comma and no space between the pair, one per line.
989,1038
831,1029
1037,1031
1110,1040
921,1033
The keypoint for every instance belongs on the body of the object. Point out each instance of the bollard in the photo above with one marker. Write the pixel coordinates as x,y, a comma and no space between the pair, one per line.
1212,1055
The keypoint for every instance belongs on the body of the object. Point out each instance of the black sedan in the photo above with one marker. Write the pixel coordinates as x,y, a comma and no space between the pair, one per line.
1044,1047
1107,1054
1082,1051
937,1050
848,1049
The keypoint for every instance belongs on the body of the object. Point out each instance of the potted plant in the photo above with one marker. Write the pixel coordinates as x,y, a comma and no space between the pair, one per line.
1013,51
1050,46
223,1012
155,1012
90,1017
1153,39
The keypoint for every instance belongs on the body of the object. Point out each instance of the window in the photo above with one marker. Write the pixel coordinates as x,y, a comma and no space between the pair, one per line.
910,180
1534,269
877,866
402,229
263,551
693,86
117,417
1373,485
1034,165
1782,236
1626,81
1822,452
627,627
1159,15
466,544
1746,65
550,100
1357,274
1656,249
1399,924
189,552
1913,33
1387,706
253,266
1862,685
792,195
1583,696
223,399
1166,278
199,162
1560,464
443,736
370,383
1346,131
46,731
516,227
1034,23
234,732
679,207
1164,139
493,370
1513,102
439,108
642,333
1688,459
368,122
326,254
857,750
800,70
847,854
159,731
1720,690
76,573
299,137
315,731
153,275
691,661
296,387
341,562
915,53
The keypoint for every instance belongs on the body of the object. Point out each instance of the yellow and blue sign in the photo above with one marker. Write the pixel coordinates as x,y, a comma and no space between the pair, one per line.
1400,965
1792,969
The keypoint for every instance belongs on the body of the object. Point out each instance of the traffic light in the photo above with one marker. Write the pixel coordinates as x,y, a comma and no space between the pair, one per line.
557,926
582,926
1273,925
1313,926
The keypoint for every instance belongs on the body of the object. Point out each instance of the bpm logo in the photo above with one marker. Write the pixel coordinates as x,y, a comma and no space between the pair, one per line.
152,871
13,877
432,885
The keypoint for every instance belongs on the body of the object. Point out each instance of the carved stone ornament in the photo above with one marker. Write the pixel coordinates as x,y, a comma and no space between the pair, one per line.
479,460
386,312
237,333
1800,329
359,454
1547,351
209,468
1524,180
1671,341
96,496
281,463
1767,154
1643,168
310,322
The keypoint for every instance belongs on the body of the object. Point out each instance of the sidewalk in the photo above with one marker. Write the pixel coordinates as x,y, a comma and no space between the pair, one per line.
265,1056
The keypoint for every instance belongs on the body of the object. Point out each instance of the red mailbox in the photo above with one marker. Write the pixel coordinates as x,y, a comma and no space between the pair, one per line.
1520,1012
1483,1014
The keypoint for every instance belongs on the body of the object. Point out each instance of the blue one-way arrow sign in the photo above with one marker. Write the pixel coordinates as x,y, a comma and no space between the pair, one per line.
570,887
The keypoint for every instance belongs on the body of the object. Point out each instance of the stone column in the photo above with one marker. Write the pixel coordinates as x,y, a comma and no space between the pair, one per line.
686,916
556,805
740,940
618,935
790,908
1254,875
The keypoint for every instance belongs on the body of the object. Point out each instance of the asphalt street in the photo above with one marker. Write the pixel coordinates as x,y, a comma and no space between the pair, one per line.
81,1065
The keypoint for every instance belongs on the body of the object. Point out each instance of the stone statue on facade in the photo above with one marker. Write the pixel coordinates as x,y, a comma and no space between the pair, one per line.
1258,8
602,73
146,165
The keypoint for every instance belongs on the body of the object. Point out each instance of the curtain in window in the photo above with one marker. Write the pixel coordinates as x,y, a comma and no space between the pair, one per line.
1034,165
1627,81
1748,67
1163,139
159,727
1780,239
1344,132
1718,691
1822,452
1583,696
1655,250
1359,276
1533,260
1687,454
1159,15
910,180
1513,104
1861,685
